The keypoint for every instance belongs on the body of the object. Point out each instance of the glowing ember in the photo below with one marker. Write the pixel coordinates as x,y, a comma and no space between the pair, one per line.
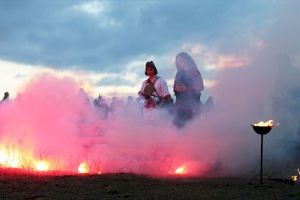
295,177
180,170
83,168
270,123
42,165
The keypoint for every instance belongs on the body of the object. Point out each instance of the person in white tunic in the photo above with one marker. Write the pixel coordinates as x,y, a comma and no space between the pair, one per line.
154,90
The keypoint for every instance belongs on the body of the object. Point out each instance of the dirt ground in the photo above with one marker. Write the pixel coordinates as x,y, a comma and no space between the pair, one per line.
129,186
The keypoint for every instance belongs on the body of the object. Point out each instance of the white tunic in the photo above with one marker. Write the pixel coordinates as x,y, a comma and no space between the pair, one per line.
160,85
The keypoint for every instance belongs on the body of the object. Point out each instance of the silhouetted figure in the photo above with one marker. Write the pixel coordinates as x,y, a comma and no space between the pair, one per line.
5,97
102,107
188,85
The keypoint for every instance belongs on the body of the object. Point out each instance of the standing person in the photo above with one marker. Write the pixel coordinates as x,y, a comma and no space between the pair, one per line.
188,85
102,107
154,90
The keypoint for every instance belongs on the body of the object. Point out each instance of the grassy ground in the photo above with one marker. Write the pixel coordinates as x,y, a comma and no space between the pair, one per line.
128,186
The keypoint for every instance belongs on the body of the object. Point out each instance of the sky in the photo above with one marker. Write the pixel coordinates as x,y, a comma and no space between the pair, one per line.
248,53
106,43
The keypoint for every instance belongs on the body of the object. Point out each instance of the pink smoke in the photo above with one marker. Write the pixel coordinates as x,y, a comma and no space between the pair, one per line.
52,119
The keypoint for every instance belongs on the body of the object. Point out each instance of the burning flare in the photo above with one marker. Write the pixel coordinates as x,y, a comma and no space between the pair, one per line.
83,168
42,165
10,158
180,170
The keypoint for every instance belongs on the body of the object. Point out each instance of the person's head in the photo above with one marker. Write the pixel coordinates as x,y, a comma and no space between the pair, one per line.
6,95
184,61
150,68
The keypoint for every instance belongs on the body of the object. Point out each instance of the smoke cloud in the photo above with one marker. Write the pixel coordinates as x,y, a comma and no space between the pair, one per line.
54,119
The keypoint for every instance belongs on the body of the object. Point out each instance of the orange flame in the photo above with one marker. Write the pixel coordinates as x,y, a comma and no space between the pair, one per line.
12,157
270,123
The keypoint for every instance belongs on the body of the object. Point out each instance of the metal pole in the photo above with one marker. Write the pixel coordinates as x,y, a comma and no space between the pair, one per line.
261,159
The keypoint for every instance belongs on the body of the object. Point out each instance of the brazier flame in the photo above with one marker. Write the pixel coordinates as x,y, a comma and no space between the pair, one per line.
263,128
270,123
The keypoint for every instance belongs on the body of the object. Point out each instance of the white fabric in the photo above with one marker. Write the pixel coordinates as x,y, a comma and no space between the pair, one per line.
160,86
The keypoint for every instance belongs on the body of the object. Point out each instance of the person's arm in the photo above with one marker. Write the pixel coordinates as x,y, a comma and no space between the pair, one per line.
181,88
182,82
